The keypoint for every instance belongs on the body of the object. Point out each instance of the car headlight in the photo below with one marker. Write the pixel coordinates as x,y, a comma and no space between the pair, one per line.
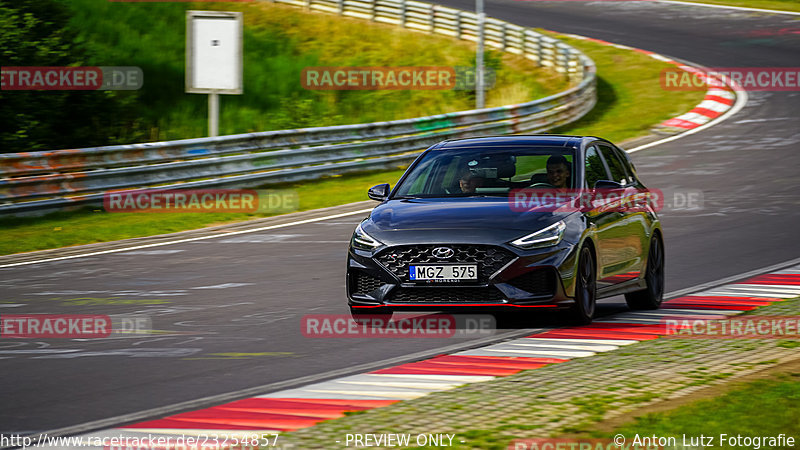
361,240
545,237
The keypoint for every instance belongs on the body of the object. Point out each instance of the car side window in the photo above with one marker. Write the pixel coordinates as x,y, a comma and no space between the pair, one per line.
629,169
617,167
595,170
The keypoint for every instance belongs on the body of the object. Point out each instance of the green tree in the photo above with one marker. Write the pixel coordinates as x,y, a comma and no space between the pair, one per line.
36,33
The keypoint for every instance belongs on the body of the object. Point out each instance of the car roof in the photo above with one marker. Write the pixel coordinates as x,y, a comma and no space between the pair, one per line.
549,140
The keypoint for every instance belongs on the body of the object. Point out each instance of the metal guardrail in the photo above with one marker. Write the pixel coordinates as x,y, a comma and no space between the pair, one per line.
40,181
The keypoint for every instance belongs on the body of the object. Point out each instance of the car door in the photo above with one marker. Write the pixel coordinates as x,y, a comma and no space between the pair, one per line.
624,238
601,219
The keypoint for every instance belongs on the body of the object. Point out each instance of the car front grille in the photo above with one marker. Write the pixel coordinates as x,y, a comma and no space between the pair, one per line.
445,295
537,283
364,284
489,259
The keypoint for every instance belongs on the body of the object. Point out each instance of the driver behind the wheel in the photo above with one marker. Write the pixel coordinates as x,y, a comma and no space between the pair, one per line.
558,170
469,182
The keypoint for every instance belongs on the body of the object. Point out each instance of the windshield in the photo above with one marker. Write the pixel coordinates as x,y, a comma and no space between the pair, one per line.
489,171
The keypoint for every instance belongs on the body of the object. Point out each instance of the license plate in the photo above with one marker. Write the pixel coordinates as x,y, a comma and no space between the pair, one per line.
443,272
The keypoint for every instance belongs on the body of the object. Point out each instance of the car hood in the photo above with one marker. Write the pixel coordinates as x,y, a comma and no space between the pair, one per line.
454,220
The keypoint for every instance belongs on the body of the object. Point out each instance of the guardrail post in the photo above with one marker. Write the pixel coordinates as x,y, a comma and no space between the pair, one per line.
458,25
374,10
341,7
432,19
308,4
403,13
503,37
570,66
540,49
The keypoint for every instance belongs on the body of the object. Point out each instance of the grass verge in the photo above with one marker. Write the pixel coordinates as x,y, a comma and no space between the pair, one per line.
779,5
88,226
630,101
774,402
279,42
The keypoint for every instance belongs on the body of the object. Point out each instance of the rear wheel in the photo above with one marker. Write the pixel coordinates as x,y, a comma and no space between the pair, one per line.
651,296
585,288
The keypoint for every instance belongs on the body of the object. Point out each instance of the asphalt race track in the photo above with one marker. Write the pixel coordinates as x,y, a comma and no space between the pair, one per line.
231,306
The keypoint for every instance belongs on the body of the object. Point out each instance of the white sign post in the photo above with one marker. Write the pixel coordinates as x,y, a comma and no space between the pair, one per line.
213,58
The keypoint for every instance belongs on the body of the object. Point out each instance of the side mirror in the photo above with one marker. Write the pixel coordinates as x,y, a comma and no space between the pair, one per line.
379,192
608,184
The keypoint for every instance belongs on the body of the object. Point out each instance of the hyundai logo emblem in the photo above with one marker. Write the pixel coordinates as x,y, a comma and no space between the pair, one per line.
443,252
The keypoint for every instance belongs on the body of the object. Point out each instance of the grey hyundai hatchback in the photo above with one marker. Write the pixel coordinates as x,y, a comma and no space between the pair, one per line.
509,223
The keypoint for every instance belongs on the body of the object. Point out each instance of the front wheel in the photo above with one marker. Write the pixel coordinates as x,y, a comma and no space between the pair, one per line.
585,288
651,296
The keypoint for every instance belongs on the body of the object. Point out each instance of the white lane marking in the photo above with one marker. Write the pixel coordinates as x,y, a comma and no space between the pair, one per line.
722,93
738,8
764,120
11,305
630,320
179,241
658,57
399,395
694,117
361,386
167,292
38,351
465,379
426,386
705,312
777,287
379,377
308,395
260,238
669,315
559,346
713,105
741,100
548,353
223,286
748,291
153,252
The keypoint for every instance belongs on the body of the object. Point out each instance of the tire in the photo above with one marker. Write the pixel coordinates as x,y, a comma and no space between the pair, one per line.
362,317
585,288
651,296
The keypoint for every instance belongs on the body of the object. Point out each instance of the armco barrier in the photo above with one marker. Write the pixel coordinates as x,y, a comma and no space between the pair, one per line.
41,181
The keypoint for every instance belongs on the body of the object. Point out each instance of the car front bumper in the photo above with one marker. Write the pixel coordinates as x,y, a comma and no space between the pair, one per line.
508,278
